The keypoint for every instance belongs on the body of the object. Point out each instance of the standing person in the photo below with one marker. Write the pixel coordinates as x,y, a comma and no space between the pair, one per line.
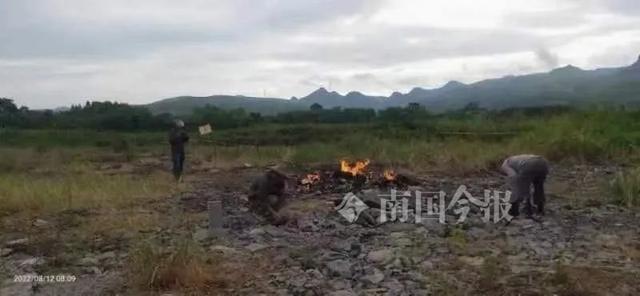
177,138
522,172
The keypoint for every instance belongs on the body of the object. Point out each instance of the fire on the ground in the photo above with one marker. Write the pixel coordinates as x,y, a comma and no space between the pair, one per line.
354,168
390,175
310,179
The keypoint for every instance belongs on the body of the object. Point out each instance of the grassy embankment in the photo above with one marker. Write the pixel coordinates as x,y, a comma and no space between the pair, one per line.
43,165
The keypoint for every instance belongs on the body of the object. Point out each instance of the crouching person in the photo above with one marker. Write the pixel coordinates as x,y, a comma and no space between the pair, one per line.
523,172
267,196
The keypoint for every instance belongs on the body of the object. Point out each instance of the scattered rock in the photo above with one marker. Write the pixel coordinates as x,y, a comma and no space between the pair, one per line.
17,243
380,256
607,240
201,234
256,247
340,284
274,231
426,265
403,242
473,261
40,223
341,268
222,249
376,276
394,287
89,261
342,293
106,256
256,232
33,261
5,252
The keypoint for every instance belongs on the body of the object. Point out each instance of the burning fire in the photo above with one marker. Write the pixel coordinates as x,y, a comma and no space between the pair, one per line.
356,168
390,175
311,179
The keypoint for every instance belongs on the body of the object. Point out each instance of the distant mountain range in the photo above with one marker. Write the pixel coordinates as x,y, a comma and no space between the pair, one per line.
568,85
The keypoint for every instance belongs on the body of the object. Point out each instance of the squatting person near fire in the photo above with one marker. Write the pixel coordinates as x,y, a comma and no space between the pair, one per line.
177,138
523,172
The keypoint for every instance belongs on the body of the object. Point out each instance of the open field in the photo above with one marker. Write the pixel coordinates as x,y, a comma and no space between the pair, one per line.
109,213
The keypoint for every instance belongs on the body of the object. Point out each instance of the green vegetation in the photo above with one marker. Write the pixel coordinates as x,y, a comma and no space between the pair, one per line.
470,139
625,188
50,181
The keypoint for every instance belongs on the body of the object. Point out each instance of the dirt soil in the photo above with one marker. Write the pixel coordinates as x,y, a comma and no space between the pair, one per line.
582,246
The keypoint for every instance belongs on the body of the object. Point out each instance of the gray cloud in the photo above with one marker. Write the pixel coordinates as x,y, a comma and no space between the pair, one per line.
59,52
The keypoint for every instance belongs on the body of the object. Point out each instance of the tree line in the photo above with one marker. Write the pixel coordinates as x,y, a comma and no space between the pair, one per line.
124,117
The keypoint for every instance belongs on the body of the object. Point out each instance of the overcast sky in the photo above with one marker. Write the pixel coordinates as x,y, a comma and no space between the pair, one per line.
58,52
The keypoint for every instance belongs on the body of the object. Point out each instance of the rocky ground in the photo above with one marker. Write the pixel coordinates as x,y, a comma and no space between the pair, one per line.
582,246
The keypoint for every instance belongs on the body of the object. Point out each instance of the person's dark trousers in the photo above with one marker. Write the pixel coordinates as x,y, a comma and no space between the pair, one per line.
533,173
538,193
178,164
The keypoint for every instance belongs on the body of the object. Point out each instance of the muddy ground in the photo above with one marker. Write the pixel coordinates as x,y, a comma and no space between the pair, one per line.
582,246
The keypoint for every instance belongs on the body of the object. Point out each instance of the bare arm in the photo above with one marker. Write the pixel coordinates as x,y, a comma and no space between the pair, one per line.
507,169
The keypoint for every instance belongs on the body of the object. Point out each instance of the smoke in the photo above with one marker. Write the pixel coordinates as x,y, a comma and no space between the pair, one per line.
549,59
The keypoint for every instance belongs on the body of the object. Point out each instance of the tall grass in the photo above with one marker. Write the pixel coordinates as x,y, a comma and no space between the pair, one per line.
58,179
77,190
625,188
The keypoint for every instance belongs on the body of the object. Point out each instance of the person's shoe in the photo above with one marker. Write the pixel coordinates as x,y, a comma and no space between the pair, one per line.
514,210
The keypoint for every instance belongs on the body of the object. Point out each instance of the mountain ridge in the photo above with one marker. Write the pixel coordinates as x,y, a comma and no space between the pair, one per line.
567,85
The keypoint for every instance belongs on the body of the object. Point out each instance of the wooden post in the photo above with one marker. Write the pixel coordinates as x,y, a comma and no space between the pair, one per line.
215,218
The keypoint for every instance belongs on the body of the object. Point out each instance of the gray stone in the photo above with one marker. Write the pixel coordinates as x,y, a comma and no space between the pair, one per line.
340,284
222,249
341,245
306,225
473,261
426,265
17,242
376,276
256,232
315,278
380,256
5,252
342,293
89,261
40,223
394,287
201,234
33,261
256,247
274,231
106,256
341,268
403,242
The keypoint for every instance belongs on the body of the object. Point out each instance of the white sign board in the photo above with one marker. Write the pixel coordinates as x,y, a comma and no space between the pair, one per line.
205,129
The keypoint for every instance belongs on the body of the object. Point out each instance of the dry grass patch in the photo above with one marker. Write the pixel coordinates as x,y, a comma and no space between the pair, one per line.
586,280
187,268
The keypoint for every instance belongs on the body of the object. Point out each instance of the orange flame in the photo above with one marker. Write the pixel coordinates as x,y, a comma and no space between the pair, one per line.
390,175
311,179
356,168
